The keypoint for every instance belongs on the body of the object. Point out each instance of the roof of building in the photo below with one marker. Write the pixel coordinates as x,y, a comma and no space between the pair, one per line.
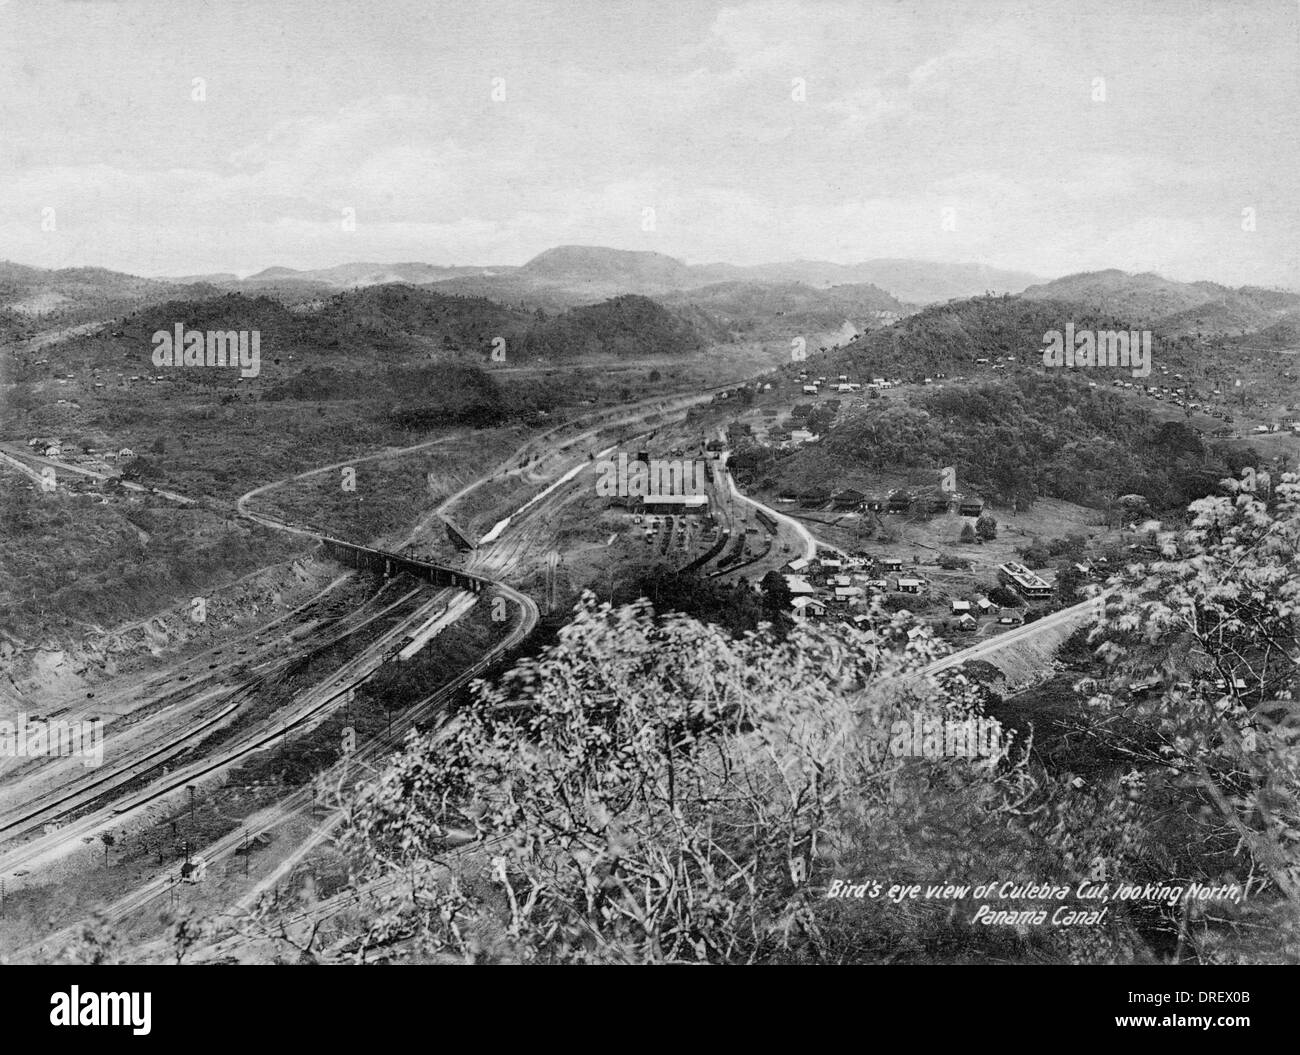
1024,576
677,500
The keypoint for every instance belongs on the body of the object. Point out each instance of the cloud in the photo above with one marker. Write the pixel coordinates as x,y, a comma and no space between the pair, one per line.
910,108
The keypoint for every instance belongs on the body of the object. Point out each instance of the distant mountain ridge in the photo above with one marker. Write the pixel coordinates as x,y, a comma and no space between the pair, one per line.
911,281
1174,308
367,274
568,275
749,302
32,296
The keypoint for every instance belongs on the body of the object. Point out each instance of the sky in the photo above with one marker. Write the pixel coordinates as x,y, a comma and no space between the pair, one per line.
179,137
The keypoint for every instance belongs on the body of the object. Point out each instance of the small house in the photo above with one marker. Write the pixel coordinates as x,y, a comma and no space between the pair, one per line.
808,608
932,500
898,502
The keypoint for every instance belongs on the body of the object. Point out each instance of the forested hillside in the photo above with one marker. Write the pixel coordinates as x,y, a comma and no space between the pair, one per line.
625,327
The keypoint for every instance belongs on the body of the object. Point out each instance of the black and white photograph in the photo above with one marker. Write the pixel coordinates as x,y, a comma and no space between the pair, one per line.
646,482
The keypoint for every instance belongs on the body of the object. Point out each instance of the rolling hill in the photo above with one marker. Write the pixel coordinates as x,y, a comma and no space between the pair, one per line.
1173,308
36,297
625,327
949,338
756,310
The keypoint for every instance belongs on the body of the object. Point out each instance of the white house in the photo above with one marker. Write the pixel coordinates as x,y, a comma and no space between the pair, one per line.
808,608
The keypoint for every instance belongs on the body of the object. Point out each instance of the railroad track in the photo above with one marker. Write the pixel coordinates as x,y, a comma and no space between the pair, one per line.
376,559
